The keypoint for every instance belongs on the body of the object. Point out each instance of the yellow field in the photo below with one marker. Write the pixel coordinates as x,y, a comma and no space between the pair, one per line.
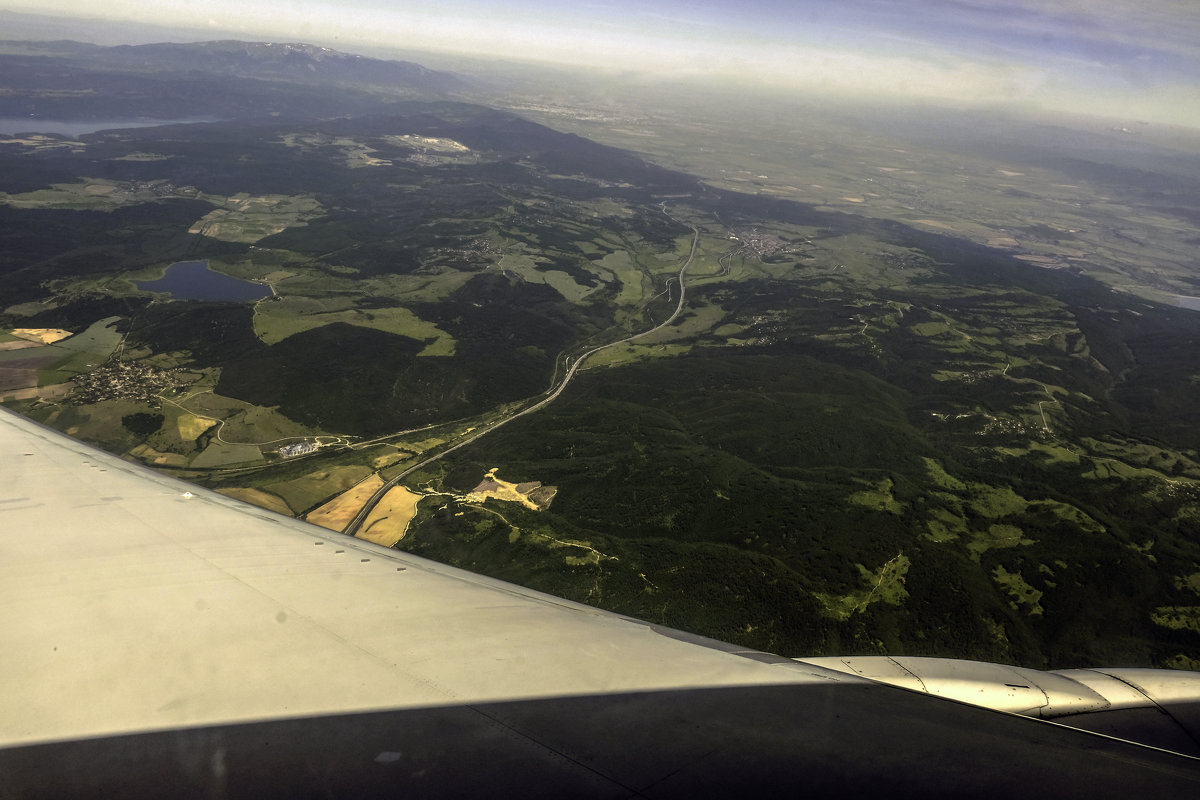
258,498
43,335
190,426
338,512
388,521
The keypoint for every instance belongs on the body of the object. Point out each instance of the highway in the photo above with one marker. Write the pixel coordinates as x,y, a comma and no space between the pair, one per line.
353,526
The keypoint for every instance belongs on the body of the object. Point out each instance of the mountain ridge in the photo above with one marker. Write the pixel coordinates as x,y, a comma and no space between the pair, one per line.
277,61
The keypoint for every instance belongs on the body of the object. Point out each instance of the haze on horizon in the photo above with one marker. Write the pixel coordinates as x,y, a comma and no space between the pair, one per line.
1122,59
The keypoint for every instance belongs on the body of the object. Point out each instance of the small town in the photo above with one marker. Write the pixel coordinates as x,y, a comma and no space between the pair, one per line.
123,380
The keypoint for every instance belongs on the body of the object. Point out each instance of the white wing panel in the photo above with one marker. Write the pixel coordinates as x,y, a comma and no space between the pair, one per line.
136,602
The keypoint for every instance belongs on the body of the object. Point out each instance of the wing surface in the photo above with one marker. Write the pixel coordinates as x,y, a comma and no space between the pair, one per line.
164,639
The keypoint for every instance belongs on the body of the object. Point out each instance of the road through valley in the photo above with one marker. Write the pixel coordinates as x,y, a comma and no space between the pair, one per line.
356,523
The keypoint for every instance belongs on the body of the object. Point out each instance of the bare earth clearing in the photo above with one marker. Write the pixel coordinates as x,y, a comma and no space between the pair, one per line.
531,494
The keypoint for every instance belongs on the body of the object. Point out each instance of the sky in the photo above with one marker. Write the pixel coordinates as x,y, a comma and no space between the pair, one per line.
1127,59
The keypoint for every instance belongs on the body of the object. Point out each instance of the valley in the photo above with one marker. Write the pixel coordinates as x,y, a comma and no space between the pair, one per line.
889,395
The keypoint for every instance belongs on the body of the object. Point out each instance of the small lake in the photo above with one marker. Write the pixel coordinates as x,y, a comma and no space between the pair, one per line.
193,280
11,126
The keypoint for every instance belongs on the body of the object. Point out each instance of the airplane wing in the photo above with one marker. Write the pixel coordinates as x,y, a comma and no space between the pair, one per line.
162,640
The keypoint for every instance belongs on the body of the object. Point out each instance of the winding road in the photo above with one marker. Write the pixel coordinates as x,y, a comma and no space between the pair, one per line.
353,526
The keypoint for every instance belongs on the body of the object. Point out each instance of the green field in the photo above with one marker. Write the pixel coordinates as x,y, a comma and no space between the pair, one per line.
275,321
248,218
902,411
82,352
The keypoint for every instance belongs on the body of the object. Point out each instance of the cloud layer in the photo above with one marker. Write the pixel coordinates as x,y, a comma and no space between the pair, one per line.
1120,57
